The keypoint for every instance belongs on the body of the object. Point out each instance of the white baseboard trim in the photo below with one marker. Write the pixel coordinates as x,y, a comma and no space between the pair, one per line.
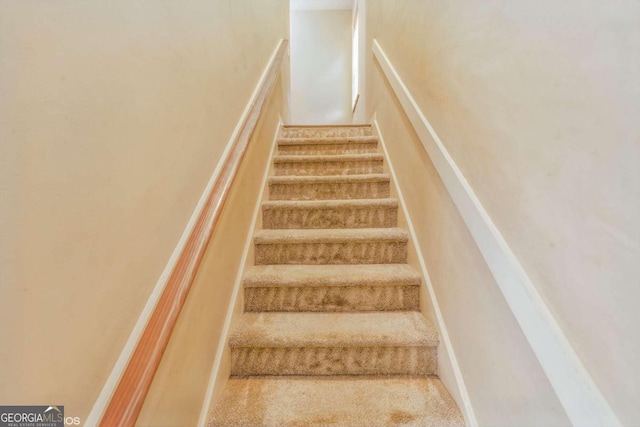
582,400
237,285
111,383
467,409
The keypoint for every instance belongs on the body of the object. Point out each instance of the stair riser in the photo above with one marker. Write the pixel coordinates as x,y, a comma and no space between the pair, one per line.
328,168
331,253
323,132
247,361
329,191
341,217
328,149
332,298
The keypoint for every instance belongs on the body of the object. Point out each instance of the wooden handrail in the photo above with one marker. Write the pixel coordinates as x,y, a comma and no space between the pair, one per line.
128,397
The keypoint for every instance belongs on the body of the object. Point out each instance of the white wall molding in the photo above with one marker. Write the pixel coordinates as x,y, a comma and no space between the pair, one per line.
111,383
237,285
582,400
467,409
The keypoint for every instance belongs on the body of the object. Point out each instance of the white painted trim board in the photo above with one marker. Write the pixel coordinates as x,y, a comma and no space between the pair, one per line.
582,400
111,383
222,342
467,408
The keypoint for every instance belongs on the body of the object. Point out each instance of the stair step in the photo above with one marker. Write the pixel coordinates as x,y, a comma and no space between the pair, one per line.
336,187
331,246
328,146
332,288
331,333
336,402
326,131
333,344
366,213
345,164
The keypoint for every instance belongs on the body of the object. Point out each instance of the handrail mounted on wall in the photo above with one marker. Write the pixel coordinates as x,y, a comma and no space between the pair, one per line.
128,397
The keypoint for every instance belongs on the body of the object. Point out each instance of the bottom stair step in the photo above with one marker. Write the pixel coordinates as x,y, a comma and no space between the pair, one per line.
335,401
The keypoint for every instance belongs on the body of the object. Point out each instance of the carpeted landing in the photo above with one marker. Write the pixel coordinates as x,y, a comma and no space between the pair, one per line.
332,334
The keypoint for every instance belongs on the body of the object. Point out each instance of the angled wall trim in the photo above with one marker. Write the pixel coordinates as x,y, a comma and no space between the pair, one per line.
123,394
467,408
237,286
582,400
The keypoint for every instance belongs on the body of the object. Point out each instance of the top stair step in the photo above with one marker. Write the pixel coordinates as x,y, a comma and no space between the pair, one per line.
325,131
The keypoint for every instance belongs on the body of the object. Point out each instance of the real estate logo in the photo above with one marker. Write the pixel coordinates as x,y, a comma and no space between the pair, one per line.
32,416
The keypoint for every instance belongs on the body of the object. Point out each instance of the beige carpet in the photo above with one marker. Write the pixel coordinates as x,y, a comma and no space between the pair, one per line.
332,334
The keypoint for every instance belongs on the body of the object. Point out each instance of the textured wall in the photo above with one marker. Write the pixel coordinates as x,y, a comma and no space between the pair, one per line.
113,116
537,102
505,383
321,66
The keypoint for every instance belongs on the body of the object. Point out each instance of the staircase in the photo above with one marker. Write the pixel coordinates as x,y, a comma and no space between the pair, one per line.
332,334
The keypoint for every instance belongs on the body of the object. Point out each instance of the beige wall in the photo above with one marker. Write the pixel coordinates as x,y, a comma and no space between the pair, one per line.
179,387
504,381
321,66
113,116
537,102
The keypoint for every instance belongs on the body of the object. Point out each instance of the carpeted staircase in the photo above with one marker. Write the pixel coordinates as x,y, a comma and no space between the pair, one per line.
332,334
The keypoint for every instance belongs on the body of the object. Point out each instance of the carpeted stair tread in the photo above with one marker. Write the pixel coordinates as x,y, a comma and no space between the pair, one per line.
314,130
331,246
326,140
326,158
331,204
357,401
331,275
331,235
323,165
328,146
353,213
332,333
332,187
331,145
326,131
373,177
409,329
332,288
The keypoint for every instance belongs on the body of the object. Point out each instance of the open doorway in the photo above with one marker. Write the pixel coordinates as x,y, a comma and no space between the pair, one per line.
321,61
